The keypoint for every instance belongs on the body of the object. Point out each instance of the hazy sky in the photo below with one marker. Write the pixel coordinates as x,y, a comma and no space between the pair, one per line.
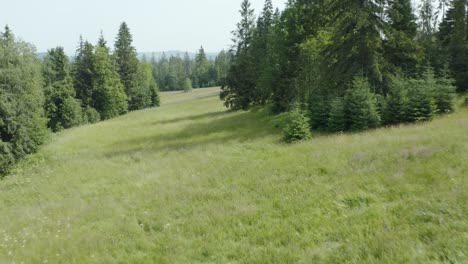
156,25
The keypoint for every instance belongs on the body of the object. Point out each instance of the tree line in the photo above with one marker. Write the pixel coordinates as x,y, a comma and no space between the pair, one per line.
176,73
346,65
54,94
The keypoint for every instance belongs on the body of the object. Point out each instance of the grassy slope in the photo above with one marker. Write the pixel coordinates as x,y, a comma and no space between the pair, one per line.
189,182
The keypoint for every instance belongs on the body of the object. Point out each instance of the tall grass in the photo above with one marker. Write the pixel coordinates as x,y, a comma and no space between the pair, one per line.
192,183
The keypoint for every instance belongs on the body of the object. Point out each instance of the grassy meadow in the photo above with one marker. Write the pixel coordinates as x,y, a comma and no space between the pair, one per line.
190,182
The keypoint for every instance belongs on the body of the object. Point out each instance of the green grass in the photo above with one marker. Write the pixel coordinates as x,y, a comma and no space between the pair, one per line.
191,183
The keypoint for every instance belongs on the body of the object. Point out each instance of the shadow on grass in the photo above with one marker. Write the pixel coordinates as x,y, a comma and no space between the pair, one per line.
189,118
228,126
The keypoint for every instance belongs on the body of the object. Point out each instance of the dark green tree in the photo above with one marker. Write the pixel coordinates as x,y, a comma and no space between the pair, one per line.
357,43
453,36
200,71
361,106
109,97
125,56
421,106
222,63
396,102
83,72
401,48
22,120
144,91
187,85
337,117
62,109
241,79
297,127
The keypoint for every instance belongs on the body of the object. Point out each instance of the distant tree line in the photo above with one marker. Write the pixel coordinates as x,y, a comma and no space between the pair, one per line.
54,94
346,65
176,73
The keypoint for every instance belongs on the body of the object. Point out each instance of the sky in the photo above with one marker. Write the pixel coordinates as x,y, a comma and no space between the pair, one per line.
156,25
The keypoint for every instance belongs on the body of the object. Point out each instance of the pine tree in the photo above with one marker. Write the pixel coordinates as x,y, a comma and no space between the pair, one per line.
62,109
127,62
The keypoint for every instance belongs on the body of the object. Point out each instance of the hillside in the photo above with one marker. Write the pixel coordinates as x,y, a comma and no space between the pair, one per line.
190,182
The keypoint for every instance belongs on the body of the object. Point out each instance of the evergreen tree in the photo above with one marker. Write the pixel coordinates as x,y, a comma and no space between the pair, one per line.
454,40
337,117
163,72
263,52
187,66
298,127
143,92
222,62
401,49
396,102
300,20
109,97
241,79
444,95
22,121
187,85
83,72
201,67
127,62
359,52
420,105
62,109
360,106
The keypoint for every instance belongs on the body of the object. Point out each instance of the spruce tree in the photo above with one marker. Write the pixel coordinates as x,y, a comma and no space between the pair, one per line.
337,117
144,91
360,106
421,106
401,49
241,79
109,97
127,63
187,66
297,127
396,102
357,43
222,62
455,29
187,85
83,72
263,52
62,109
200,71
